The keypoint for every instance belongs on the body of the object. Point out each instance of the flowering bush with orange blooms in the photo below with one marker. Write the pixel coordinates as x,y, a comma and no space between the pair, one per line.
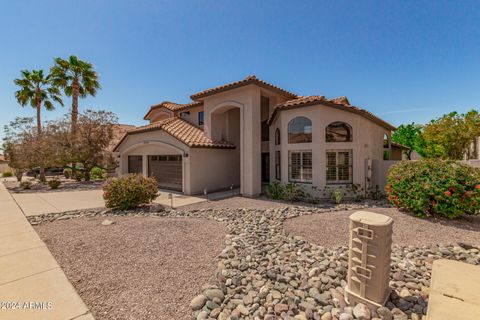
129,191
434,188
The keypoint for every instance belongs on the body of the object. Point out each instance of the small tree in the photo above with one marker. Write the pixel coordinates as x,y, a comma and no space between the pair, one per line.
90,145
26,149
409,135
449,137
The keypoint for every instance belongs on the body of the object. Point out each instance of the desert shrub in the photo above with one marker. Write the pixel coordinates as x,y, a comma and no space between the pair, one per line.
355,191
7,174
54,183
432,187
78,175
294,192
98,173
67,173
25,185
129,191
275,190
334,193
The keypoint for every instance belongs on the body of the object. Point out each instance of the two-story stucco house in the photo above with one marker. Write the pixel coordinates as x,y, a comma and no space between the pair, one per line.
250,132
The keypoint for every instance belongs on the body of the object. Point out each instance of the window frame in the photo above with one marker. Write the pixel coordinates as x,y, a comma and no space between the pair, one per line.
337,166
303,169
291,123
265,131
201,118
278,165
349,128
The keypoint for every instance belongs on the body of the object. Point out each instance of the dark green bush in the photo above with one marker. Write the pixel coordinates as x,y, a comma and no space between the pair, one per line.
54,183
275,190
7,174
129,191
98,173
433,187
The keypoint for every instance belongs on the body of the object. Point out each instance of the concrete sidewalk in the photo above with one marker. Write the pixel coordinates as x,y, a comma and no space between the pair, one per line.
32,284
61,201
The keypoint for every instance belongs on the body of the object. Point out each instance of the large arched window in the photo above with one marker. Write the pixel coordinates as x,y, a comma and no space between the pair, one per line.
277,136
300,130
338,132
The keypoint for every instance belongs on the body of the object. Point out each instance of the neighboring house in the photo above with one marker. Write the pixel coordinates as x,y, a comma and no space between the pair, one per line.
250,132
4,164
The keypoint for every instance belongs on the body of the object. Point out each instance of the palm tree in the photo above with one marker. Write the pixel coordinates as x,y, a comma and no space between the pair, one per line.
78,79
36,89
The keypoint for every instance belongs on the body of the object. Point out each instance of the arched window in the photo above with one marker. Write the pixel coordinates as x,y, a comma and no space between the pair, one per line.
277,136
338,132
386,141
300,130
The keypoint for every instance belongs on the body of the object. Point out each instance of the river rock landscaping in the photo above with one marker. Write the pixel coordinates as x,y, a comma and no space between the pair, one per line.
263,272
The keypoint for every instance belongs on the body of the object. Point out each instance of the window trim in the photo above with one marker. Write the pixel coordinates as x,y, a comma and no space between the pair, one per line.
291,123
278,165
339,122
350,166
277,137
301,180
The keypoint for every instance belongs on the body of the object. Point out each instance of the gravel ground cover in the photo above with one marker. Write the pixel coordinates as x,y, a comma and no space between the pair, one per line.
66,185
265,272
331,229
138,267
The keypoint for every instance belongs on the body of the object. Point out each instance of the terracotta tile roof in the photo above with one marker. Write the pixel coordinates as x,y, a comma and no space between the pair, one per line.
338,103
183,131
172,106
248,80
399,145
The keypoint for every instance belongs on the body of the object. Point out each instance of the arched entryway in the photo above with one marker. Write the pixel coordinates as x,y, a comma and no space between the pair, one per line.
226,125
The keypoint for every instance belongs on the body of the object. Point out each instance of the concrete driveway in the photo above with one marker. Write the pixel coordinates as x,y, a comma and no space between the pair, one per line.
49,202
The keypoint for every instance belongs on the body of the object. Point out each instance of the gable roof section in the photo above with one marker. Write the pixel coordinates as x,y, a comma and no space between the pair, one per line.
340,103
248,80
181,130
172,106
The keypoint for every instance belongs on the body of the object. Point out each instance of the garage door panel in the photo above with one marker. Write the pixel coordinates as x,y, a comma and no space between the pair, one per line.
167,169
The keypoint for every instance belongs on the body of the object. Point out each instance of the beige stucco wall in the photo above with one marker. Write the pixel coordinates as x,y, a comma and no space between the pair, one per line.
367,142
247,100
213,169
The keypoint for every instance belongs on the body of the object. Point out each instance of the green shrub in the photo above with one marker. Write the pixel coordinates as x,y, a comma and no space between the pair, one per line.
7,174
294,192
433,187
334,193
98,173
275,190
25,185
67,173
79,175
54,183
129,191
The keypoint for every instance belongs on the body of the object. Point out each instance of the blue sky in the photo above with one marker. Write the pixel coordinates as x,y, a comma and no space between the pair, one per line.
403,60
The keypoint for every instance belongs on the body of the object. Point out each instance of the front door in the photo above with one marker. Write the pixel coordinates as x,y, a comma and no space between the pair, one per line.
265,167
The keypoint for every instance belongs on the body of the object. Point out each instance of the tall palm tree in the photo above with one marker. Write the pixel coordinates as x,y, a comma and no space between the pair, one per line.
78,79
36,89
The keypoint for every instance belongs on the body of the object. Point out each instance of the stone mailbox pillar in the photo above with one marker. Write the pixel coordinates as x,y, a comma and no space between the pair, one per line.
369,259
